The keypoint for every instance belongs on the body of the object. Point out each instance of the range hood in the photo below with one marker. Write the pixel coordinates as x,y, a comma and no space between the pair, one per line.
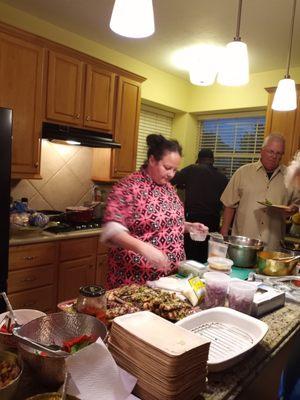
83,137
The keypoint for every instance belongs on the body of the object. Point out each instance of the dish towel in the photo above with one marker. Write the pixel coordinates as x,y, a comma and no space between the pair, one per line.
94,375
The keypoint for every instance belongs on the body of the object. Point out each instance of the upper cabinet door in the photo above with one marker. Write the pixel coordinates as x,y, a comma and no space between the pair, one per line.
99,98
285,122
21,77
64,90
126,127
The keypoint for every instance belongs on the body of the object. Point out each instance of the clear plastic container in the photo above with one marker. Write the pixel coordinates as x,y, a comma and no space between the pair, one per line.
216,287
217,249
191,267
92,301
240,296
220,264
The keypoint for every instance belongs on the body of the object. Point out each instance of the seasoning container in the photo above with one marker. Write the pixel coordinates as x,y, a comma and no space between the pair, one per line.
92,301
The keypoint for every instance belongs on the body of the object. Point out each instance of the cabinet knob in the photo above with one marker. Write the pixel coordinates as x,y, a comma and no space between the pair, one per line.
88,118
36,164
29,257
77,116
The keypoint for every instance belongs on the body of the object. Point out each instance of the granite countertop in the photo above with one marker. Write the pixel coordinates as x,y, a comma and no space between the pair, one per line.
283,324
49,237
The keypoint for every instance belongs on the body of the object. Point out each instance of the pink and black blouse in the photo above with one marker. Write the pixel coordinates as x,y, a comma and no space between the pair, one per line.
152,213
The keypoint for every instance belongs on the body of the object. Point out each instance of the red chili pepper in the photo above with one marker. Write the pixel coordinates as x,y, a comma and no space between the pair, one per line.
68,344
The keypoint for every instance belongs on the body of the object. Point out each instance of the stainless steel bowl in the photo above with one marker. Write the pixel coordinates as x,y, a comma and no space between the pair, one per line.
51,396
55,329
8,392
243,250
268,263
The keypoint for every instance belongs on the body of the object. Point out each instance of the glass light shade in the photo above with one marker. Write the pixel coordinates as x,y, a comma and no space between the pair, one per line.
132,18
203,69
285,98
234,69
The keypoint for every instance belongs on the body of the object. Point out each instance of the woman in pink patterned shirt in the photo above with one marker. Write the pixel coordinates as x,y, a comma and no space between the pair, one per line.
144,219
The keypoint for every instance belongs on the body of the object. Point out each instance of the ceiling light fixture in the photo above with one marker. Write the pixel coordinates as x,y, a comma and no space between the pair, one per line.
133,18
203,68
285,98
234,70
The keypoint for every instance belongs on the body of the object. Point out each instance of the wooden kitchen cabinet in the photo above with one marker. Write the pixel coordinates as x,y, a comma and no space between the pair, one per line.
32,276
77,266
112,164
73,274
78,93
64,88
101,264
21,77
285,122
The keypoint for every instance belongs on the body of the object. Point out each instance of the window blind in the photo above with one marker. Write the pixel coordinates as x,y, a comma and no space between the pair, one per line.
234,141
152,120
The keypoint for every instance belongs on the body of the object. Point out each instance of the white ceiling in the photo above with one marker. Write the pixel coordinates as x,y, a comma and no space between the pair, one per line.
265,27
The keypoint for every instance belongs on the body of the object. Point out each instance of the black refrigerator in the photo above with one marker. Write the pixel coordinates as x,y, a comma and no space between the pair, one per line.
5,172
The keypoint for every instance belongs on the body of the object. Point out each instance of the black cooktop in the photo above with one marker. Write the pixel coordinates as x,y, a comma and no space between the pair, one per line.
63,227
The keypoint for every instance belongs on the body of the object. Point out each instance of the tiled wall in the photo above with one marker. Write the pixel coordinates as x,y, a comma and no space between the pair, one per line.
66,172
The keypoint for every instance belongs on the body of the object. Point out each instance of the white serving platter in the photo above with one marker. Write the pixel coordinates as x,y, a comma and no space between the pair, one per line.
232,334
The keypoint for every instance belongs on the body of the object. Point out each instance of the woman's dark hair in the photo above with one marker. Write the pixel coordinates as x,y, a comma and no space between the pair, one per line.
158,146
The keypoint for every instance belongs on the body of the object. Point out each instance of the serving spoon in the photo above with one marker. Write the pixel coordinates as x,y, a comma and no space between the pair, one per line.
52,349
10,309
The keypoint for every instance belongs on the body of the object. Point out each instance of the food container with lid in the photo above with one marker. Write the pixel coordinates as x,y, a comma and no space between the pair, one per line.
240,296
220,264
216,286
92,300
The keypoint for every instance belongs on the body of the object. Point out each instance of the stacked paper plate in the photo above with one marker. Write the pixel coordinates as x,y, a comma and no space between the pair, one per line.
169,362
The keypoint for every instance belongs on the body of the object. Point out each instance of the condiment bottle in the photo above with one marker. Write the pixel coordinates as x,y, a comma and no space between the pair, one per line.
92,300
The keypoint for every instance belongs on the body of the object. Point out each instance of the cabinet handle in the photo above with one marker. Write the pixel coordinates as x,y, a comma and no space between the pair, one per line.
88,118
36,164
77,116
33,278
29,257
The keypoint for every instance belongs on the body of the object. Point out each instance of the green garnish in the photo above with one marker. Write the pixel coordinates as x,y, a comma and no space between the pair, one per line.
268,202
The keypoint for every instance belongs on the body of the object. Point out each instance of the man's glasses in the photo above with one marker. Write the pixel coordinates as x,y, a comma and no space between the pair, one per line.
274,153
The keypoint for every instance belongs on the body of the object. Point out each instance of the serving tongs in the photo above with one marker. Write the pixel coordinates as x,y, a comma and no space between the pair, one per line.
12,314
52,349
286,258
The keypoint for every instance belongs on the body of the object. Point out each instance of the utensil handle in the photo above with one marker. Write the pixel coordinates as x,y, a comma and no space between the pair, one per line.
3,294
65,386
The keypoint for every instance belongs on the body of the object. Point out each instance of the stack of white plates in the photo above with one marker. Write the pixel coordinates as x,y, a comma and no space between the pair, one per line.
169,362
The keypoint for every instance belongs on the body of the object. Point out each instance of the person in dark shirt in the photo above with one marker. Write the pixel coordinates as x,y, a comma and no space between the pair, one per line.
203,185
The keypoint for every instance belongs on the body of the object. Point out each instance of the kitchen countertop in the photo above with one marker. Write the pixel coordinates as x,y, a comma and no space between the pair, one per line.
30,238
283,324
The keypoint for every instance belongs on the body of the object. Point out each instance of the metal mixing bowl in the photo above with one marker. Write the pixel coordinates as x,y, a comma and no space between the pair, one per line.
243,250
268,266
8,392
55,329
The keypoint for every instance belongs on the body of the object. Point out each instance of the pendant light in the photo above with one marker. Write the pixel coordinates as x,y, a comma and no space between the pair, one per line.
234,70
203,68
285,98
133,18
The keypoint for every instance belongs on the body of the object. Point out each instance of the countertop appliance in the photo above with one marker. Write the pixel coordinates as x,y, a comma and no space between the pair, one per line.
5,173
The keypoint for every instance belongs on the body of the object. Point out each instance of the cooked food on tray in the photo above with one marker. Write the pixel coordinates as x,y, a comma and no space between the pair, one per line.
9,370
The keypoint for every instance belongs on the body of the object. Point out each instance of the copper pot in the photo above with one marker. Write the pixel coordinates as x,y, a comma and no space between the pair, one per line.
268,263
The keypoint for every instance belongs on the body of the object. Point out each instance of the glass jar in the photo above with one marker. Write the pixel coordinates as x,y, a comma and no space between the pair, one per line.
92,301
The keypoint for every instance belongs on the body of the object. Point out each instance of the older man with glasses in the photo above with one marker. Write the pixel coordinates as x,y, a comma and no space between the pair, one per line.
260,181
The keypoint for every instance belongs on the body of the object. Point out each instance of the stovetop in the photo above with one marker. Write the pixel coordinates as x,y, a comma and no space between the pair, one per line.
63,227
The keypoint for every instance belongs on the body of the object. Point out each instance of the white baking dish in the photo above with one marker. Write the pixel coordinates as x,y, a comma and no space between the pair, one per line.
231,333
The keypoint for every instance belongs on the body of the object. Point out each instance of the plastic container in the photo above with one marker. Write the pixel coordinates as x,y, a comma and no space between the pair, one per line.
191,267
220,264
92,301
216,287
240,296
198,236
217,249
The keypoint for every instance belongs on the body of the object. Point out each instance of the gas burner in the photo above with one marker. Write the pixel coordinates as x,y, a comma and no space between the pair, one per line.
63,227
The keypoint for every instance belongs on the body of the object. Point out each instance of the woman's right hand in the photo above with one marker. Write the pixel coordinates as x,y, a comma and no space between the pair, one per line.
155,257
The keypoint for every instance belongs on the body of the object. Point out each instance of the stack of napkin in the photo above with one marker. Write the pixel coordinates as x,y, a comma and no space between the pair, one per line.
168,361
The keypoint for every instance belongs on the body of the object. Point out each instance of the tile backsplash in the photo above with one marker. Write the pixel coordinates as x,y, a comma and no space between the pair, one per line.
65,171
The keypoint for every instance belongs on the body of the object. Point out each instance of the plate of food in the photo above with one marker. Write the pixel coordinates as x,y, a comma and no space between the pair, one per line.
268,203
